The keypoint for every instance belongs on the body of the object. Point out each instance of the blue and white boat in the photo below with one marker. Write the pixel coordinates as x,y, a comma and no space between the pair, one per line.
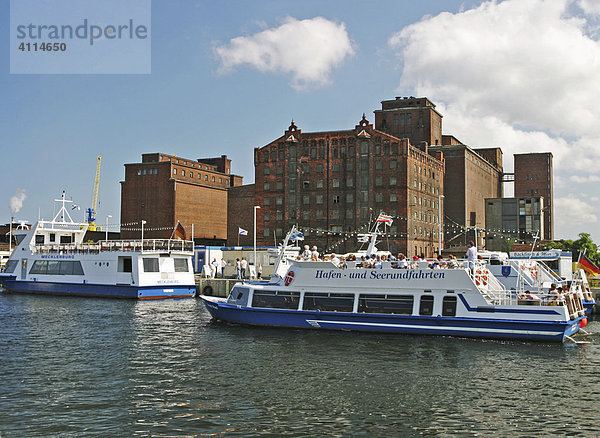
51,258
419,300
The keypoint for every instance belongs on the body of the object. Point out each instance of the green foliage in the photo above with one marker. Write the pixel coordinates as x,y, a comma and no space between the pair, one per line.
578,246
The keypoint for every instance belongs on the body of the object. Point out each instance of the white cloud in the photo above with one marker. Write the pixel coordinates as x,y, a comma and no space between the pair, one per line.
584,179
590,6
307,50
518,74
571,210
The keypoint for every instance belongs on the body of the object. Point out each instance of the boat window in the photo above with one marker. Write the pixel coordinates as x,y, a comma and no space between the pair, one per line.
65,268
10,266
396,304
239,296
426,305
65,239
124,264
39,239
150,264
449,306
328,302
275,299
77,269
53,267
39,267
181,265
56,267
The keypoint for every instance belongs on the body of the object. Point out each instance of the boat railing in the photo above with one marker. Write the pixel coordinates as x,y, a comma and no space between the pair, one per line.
166,245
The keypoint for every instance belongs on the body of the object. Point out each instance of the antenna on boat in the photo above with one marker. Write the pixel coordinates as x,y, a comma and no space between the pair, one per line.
281,256
63,213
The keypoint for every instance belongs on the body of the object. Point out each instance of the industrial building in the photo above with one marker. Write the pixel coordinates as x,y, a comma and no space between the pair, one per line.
164,190
334,183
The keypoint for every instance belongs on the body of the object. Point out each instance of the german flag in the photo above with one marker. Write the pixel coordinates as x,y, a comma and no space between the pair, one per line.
179,232
588,266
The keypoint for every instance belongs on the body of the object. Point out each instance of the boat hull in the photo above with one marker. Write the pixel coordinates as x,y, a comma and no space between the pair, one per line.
405,324
100,290
589,306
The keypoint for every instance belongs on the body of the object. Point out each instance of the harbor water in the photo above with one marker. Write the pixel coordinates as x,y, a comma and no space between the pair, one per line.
101,367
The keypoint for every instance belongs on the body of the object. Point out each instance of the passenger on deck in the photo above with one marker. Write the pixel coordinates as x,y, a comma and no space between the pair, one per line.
306,254
334,259
402,263
471,255
452,262
314,253
378,264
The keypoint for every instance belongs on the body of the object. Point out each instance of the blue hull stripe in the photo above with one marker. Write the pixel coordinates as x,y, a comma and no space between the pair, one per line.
466,327
100,290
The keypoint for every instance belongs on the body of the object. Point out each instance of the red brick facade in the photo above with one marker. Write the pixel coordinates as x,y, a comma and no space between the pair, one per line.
533,178
164,189
414,118
332,183
240,214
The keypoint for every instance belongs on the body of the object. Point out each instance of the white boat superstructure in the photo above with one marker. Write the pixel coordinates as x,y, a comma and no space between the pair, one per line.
53,258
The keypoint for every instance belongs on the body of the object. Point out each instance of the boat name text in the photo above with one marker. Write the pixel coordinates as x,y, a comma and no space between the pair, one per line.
405,274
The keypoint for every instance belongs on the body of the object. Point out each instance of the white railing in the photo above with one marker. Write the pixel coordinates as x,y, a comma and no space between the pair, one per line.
167,245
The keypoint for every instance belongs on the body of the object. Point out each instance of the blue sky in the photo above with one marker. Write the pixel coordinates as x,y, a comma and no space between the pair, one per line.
502,73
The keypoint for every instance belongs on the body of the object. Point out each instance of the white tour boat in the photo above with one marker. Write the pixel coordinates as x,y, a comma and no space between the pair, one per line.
417,300
51,258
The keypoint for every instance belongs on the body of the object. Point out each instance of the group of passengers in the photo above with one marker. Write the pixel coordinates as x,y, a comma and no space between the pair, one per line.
375,261
555,297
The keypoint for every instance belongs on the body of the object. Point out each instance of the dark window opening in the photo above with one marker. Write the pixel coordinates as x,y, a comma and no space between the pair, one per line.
275,299
396,304
328,302
449,306
151,265
181,265
426,305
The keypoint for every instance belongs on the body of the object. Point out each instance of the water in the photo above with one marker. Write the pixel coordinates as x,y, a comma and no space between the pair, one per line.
96,367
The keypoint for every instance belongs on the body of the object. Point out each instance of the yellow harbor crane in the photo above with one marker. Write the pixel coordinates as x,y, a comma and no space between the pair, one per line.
91,212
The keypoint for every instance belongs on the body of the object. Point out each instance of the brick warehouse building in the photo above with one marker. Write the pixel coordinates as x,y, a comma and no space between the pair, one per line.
337,181
533,178
164,189
471,175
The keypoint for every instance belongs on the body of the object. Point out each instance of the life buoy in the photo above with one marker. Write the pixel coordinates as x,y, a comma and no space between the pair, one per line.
484,279
289,278
534,272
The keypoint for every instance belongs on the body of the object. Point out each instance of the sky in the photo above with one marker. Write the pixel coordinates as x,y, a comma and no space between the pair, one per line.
229,76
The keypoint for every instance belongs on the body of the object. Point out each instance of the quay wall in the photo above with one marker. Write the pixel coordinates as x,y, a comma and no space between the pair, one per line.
215,287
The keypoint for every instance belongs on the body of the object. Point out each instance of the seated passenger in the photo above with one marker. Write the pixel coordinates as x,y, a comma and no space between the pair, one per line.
306,254
402,263
335,260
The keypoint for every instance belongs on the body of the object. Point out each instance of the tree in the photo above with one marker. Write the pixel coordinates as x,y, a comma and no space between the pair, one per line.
584,243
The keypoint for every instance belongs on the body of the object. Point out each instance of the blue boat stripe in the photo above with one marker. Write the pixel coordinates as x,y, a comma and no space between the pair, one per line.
496,310
427,319
318,323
